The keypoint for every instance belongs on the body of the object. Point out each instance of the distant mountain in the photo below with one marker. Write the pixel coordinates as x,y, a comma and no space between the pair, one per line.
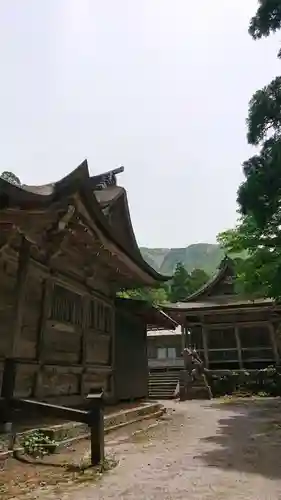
198,256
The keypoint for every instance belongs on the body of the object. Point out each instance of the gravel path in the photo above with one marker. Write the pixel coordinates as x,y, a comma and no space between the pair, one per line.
201,450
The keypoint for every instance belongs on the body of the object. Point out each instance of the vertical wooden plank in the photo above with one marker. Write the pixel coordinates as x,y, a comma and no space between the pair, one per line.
238,344
47,291
205,345
9,379
274,342
22,272
183,339
7,392
84,340
113,336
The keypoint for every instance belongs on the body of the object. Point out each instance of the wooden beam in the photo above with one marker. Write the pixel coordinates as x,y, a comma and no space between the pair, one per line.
205,345
84,341
274,342
183,339
238,343
65,279
22,272
245,324
55,411
112,360
47,290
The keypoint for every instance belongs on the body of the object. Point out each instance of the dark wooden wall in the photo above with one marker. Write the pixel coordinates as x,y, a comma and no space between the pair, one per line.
130,364
64,341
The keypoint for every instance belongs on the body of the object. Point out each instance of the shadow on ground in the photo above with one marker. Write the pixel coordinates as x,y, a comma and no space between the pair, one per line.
248,440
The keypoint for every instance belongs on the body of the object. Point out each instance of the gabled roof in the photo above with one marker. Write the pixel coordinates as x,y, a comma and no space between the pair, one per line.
225,269
97,193
180,310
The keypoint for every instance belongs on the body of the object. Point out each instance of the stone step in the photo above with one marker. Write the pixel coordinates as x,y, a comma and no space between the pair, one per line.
198,393
161,382
161,388
160,395
163,379
162,385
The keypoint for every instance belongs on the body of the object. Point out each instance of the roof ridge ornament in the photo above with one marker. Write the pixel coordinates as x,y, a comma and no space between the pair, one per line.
11,178
107,179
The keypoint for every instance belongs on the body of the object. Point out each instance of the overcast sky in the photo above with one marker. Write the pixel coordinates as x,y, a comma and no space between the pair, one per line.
159,86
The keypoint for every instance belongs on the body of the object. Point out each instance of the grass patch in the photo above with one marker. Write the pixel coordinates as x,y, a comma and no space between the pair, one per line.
84,472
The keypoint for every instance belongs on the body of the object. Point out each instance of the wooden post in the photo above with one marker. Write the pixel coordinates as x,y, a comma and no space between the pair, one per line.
47,289
183,339
83,350
96,424
113,336
205,345
238,344
22,272
274,343
9,379
7,393
187,337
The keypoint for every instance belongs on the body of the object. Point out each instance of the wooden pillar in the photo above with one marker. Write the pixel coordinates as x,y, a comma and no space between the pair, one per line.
84,341
113,335
21,279
183,335
187,337
274,342
47,291
205,345
96,424
238,344
7,393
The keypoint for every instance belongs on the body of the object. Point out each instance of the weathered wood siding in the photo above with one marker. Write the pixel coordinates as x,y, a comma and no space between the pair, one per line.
130,366
65,342
7,302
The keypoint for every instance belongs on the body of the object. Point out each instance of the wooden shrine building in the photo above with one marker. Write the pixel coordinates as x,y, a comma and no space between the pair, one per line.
228,331
65,250
133,319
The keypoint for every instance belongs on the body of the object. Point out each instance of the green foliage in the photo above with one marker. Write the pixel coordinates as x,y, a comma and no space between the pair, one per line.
38,444
257,275
259,196
266,20
264,112
181,285
203,256
197,278
266,382
152,295
184,284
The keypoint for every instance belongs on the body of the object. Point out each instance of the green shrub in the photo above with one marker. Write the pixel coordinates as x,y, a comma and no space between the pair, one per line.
265,382
38,444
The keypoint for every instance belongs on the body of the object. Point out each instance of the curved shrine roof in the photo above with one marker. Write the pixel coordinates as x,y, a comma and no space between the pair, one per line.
225,268
106,203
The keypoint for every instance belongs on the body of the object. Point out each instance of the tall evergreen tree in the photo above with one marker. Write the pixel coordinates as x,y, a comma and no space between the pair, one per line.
259,196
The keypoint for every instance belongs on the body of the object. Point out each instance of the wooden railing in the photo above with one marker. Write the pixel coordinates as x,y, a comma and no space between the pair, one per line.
94,417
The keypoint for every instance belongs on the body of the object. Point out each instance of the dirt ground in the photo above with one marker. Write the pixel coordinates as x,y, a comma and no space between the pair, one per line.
199,450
